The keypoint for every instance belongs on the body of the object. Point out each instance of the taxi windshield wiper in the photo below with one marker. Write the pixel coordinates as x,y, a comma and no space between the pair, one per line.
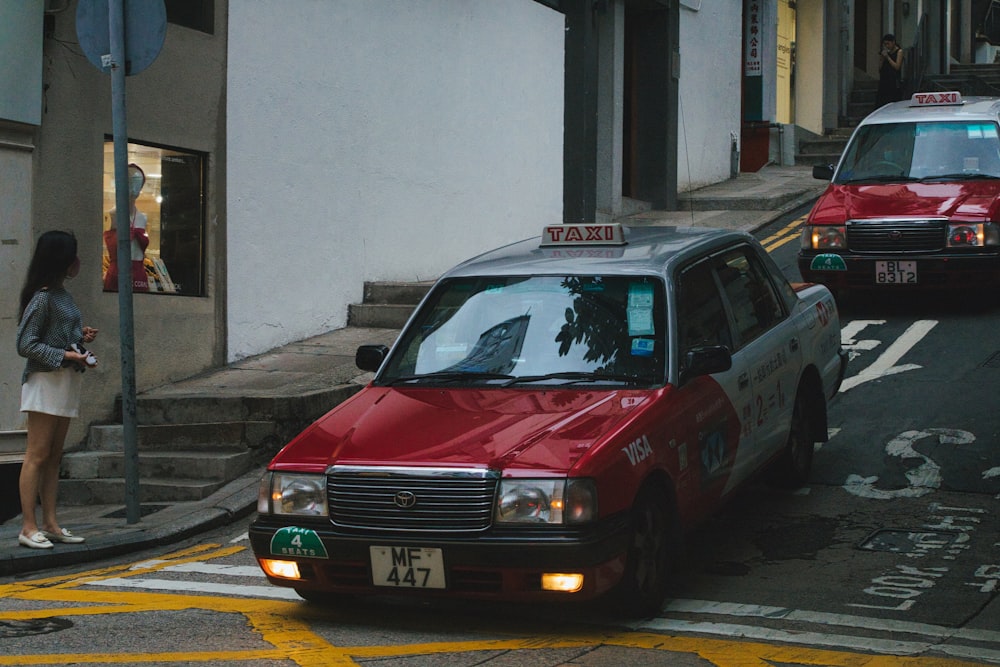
449,376
573,377
963,176
885,178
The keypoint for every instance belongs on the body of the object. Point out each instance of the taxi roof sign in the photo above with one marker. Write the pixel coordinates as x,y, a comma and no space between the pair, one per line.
586,234
935,99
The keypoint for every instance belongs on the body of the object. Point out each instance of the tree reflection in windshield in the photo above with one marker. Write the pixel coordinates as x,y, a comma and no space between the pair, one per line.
534,326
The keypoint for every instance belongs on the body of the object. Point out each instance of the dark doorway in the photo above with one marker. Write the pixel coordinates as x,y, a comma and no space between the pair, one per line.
649,142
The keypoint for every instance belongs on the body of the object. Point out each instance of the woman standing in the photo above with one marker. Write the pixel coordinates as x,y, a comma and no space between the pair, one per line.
50,326
890,71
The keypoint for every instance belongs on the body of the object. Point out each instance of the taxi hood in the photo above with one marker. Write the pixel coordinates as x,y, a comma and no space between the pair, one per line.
497,428
969,201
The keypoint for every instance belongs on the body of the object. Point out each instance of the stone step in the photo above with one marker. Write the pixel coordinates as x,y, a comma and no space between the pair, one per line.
824,145
191,436
220,465
396,292
379,315
813,159
111,490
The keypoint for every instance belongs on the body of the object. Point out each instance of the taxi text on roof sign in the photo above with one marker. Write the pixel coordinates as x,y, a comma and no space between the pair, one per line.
935,99
586,234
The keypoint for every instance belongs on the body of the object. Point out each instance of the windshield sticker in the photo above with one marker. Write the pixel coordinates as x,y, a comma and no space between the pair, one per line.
643,347
494,289
640,310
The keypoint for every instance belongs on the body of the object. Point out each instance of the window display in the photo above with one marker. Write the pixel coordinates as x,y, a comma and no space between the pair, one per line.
166,219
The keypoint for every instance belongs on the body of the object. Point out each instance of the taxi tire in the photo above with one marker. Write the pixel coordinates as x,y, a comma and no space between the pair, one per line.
794,464
651,554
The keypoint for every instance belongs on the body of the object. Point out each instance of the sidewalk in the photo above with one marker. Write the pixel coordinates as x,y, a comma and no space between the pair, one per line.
306,367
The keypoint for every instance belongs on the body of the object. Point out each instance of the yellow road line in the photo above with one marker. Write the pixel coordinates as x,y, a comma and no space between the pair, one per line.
787,234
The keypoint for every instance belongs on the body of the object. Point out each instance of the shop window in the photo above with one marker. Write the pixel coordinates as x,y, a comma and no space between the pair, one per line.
167,219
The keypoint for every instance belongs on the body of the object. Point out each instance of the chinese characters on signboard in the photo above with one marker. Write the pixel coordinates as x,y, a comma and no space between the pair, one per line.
752,51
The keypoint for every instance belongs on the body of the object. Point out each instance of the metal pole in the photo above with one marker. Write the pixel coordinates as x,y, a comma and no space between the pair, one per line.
116,27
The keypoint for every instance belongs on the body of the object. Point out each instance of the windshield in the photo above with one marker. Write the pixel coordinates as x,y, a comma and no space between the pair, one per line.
558,330
901,152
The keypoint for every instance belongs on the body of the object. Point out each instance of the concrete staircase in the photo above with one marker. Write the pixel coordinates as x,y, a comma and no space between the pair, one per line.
828,148
193,440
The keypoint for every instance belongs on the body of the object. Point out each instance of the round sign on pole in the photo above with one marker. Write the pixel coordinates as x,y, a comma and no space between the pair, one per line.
145,31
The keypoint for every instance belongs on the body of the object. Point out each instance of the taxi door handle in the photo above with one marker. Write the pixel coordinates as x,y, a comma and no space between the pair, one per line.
743,380
793,345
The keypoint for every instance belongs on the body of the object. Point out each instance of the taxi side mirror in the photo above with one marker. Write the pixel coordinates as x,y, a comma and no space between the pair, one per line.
705,361
370,357
823,172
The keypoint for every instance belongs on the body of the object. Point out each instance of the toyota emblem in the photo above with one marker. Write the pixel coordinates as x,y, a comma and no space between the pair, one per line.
404,499
895,235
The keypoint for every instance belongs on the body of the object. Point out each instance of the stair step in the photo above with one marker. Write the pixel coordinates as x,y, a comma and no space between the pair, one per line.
383,315
212,466
174,437
813,159
396,292
111,490
831,145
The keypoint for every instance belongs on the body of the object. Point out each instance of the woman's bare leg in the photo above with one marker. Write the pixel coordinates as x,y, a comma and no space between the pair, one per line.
43,431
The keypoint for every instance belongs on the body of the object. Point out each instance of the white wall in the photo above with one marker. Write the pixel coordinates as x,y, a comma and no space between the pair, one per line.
380,140
709,91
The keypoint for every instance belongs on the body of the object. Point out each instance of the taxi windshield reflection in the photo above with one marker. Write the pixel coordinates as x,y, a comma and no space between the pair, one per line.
526,331
926,152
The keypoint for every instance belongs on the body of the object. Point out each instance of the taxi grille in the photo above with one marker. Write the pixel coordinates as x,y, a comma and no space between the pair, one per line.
410,499
896,236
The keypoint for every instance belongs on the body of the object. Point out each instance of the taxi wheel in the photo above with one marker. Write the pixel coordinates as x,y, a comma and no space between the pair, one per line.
650,556
792,469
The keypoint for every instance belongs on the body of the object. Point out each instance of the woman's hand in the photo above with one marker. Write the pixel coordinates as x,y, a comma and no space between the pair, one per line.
89,334
79,359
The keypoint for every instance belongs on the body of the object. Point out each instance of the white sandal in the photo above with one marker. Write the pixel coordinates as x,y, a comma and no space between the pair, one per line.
36,540
63,536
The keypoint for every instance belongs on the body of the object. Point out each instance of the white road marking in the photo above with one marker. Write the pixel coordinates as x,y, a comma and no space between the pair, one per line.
885,365
199,588
923,479
844,620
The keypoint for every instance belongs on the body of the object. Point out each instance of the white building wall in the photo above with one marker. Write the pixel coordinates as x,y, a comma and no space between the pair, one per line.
708,92
380,140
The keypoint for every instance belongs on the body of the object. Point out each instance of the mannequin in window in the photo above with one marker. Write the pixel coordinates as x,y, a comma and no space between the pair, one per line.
137,224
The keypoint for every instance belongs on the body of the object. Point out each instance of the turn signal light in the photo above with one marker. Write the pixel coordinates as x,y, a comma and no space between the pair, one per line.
565,583
282,569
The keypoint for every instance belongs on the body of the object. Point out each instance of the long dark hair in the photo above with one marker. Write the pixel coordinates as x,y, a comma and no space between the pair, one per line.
55,252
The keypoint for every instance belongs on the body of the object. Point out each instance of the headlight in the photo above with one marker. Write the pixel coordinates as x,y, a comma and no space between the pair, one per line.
552,501
973,235
292,494
824,237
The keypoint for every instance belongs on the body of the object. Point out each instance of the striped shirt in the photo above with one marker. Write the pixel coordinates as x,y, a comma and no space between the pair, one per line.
49,325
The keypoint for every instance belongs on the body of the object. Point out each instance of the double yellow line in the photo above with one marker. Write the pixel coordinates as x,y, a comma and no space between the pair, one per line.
787,234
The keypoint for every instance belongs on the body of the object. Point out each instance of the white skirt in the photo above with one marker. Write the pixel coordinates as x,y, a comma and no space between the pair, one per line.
52,392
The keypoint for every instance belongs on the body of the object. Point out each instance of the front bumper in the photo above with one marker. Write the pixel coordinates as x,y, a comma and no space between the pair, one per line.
504,564
940,270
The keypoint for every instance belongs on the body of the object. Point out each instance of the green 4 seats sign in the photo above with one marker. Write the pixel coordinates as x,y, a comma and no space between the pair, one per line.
301,542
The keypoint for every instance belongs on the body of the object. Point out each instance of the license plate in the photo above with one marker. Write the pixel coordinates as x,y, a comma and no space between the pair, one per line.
895,272
407,567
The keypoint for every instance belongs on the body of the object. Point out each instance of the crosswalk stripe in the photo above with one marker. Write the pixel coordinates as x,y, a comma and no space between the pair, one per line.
196,587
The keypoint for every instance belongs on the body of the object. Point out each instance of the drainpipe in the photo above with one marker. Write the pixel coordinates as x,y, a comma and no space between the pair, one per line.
734,155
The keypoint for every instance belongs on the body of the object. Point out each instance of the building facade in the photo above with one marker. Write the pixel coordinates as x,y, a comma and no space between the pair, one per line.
294,150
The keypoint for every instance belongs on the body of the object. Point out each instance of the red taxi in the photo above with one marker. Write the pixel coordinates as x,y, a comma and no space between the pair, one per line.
553,417
914,201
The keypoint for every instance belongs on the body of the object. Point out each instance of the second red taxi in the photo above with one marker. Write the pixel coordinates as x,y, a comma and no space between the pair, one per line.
914,202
